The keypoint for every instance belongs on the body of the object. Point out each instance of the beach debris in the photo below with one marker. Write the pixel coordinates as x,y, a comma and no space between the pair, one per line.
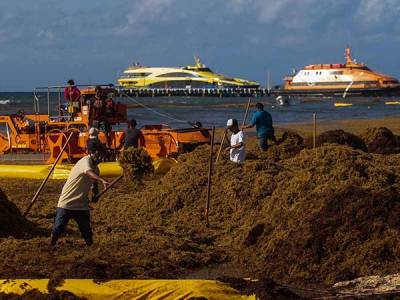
253,234
340,137
136,163
288,145
264,288
319,216
12,223
381,140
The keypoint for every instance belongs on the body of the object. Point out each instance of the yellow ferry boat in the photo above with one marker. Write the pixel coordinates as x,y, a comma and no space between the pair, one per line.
197,76
351,78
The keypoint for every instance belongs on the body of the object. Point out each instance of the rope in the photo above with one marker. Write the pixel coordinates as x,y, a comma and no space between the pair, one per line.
154,111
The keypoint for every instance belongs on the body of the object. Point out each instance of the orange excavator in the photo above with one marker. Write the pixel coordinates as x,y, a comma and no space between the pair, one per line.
45,134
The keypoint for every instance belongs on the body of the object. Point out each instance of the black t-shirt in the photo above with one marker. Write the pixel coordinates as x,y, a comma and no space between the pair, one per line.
132,136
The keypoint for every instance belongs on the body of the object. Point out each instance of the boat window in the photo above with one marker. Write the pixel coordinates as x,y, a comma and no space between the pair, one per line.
336,72
136,75
390,81
177,74
198,69
361,68
341,83
170,84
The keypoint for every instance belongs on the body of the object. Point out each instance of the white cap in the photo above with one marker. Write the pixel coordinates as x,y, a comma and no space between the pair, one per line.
229,123
93,133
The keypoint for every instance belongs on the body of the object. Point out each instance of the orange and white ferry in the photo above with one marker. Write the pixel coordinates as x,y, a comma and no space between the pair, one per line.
351,78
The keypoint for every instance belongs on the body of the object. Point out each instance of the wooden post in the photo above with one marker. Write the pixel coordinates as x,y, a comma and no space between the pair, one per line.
48,176
59,102
48,101
221,146
314,130
247,112
210,167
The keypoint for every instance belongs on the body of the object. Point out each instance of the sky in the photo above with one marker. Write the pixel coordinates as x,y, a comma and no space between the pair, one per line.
47,42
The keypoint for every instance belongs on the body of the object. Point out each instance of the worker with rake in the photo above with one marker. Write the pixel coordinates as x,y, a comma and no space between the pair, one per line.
74,199
236,149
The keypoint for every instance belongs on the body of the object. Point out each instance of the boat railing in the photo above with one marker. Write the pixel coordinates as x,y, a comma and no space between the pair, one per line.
58,92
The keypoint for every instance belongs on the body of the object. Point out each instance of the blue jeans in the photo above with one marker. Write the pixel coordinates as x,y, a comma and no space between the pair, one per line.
81,217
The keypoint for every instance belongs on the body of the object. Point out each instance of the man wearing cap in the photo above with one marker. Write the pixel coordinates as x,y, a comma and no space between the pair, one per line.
263,122
74,199
237,144
93,142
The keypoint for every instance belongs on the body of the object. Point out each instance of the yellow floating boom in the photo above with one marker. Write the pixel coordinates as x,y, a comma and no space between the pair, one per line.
342,104
61,172
130,289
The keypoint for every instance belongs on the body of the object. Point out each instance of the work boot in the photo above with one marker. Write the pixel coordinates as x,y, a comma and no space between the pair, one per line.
89,241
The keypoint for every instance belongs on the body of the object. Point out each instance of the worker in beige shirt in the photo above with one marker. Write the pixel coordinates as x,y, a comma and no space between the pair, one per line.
74,199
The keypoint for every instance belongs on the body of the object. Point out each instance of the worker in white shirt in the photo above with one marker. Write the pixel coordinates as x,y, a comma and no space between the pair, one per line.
237,144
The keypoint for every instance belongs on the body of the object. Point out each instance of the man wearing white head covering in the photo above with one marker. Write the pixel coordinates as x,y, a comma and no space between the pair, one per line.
236,149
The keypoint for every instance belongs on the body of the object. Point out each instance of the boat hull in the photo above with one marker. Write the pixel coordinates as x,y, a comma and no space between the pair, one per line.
372,92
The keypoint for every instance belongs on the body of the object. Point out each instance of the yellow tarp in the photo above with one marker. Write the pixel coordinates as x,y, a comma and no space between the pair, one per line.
131,289
108,169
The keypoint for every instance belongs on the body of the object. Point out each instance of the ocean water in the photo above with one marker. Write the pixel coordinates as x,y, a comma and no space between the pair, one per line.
177,111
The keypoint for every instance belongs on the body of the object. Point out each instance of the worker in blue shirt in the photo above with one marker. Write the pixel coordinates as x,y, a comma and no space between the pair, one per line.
263,122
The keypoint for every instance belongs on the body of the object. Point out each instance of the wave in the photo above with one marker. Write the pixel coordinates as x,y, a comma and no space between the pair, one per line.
5,101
